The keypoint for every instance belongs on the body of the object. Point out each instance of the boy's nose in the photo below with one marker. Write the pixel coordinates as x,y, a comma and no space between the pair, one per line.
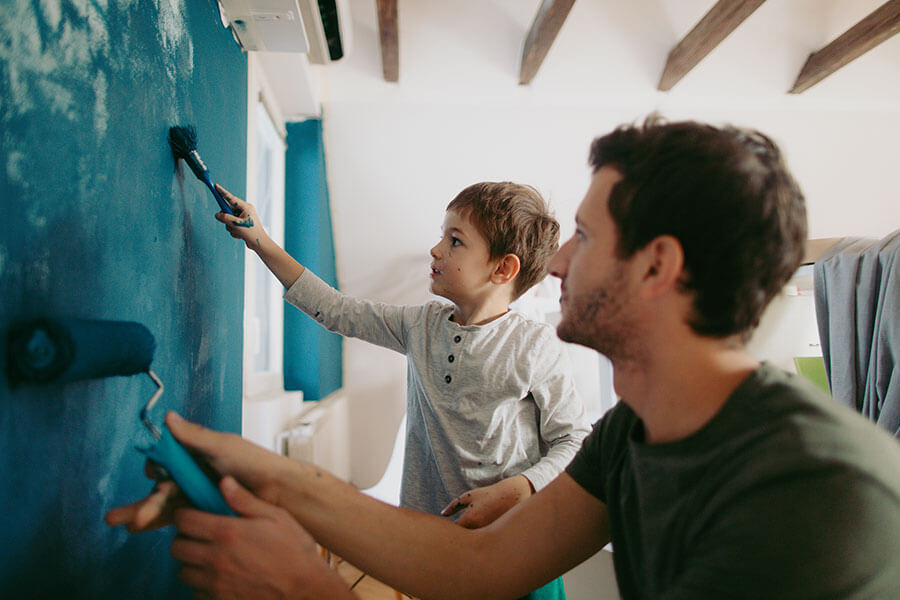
434,251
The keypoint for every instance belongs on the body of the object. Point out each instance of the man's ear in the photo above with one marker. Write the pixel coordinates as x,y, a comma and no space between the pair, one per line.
662,265
506,270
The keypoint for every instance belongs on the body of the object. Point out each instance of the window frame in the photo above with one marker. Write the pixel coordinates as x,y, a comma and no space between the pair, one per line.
261,136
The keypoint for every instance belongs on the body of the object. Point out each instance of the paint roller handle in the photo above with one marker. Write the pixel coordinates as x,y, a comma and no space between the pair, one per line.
195,484
223,204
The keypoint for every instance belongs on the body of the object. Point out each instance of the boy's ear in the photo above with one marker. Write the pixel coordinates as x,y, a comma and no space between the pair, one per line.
506,270
661,264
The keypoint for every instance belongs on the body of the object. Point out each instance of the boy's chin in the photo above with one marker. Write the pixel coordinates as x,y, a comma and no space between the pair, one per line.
437,291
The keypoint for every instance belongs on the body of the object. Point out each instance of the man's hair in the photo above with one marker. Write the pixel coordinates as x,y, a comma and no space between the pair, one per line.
726,195
514,219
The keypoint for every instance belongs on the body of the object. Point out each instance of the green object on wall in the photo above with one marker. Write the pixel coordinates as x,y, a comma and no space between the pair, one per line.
312,354
813,368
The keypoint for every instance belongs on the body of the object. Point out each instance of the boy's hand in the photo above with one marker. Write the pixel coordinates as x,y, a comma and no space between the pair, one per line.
152,512
484,505
246,225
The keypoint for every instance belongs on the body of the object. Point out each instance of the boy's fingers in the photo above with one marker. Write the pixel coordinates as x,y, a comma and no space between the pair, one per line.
233,200
224,217
448,510
228,195
121,514
454,507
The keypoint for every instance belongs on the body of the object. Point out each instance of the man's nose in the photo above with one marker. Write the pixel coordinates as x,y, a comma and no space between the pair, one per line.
556,264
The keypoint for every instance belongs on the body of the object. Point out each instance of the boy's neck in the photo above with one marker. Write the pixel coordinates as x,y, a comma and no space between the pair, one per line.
480,313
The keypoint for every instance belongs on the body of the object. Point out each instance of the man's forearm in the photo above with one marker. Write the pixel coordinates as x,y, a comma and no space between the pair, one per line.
426,555
412,551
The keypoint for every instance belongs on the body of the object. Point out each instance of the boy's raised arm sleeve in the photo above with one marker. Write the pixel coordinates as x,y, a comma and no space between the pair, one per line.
374,322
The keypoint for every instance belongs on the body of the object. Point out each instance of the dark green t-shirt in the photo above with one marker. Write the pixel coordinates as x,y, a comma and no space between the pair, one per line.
783,494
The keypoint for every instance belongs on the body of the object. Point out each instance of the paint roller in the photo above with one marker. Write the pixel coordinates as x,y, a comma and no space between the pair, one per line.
58,351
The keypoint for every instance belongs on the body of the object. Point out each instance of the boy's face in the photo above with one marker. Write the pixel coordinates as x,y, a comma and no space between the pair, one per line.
460,265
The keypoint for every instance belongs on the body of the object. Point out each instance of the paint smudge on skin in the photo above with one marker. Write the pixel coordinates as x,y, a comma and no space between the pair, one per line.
248,222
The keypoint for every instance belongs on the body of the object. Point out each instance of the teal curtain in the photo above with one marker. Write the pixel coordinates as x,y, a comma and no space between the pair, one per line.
312,355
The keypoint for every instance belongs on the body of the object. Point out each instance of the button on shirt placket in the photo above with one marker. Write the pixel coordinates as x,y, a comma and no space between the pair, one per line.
452,356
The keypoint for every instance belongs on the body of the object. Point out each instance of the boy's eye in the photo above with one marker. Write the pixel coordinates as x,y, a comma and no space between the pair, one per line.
455,241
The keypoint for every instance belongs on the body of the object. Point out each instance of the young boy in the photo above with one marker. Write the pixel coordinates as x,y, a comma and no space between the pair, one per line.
492,411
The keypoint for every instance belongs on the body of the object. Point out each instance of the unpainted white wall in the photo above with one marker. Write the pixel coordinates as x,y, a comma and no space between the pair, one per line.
397,153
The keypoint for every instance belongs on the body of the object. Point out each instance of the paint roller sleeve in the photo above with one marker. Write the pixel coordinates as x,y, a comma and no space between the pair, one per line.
51,351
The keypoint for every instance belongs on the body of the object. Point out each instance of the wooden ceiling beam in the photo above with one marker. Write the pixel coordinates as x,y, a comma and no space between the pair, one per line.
883,23
390,44
709,32
549,20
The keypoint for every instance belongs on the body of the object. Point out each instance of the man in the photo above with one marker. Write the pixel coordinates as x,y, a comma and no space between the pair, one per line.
713,477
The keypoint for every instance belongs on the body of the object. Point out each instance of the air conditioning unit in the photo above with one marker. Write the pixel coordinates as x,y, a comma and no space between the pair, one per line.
329,29
319,28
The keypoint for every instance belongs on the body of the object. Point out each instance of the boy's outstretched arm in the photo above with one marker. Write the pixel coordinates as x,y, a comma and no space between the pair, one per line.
247,226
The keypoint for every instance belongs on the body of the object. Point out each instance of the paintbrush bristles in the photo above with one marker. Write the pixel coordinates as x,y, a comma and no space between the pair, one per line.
182,140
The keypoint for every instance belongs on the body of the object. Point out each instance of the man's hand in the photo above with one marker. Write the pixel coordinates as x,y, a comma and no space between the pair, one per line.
264,553
484,505
227,453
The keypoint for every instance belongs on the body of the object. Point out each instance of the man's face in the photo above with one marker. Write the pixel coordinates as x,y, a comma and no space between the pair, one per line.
595,283
460,266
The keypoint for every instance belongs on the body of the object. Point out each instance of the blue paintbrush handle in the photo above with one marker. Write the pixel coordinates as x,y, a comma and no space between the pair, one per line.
199,489
226,208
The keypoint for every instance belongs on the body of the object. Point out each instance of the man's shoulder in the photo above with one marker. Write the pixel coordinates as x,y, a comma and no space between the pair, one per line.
783,427
790,407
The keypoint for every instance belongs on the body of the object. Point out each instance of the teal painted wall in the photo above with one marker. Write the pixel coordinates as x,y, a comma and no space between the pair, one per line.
312,355
98,225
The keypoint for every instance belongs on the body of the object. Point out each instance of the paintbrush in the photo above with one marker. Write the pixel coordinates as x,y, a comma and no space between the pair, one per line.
183,142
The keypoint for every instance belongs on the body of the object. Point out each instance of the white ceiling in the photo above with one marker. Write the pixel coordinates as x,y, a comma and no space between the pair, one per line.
608,52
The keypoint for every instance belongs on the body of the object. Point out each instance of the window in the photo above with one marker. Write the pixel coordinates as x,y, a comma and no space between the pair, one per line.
263,306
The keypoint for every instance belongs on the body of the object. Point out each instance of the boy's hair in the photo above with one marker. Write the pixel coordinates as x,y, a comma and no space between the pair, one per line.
726,195
514,219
